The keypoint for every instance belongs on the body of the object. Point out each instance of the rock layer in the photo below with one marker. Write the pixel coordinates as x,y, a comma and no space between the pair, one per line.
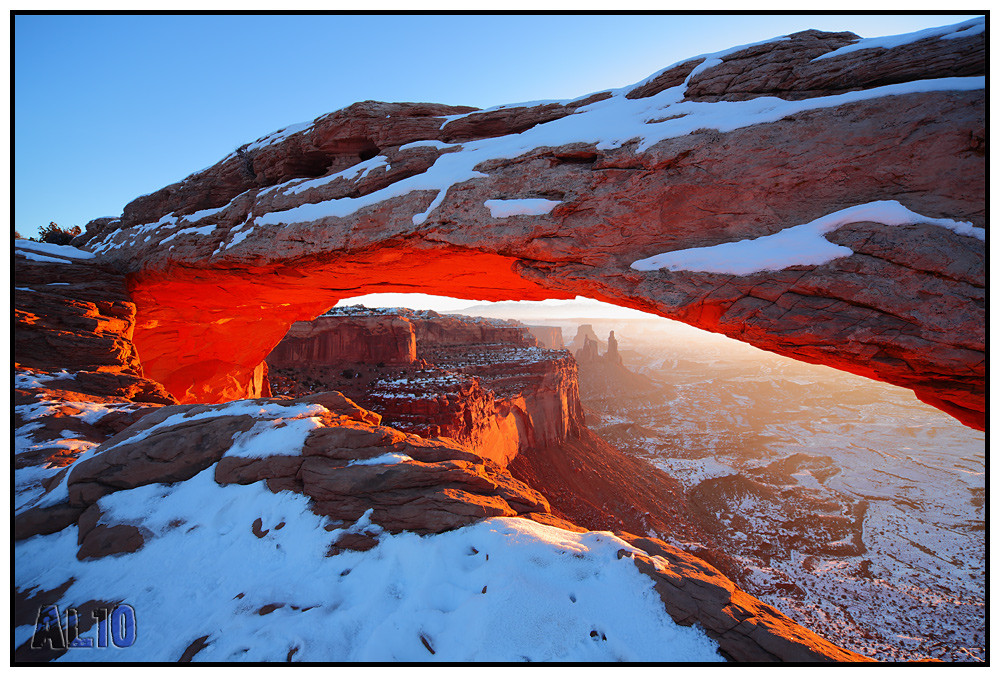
482,382
392,197
340,340
75,315
369,479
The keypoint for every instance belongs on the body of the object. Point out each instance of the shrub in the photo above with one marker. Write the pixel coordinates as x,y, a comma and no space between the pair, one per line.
54,234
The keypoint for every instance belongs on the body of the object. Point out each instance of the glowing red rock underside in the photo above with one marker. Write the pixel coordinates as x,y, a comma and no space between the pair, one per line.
232,320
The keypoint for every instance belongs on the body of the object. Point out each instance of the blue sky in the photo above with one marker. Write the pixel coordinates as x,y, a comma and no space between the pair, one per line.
111,107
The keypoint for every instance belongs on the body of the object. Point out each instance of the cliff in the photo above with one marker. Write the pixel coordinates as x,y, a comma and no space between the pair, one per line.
816,195
606,376
548,337
818,149
74,315
341,340
480,381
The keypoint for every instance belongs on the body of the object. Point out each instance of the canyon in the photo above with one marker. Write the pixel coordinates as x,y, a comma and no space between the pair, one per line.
847,503
184,383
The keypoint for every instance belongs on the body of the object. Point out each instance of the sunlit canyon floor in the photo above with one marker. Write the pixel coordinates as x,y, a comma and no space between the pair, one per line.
855,508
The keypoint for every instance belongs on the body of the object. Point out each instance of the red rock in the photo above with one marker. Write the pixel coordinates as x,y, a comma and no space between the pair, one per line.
193,648
98,540
232,470
748,631
435,331
78,316
342,406
358,542
172,453
346,340
787,69
326,481
548,337
590,483
48,520
491,388
208,317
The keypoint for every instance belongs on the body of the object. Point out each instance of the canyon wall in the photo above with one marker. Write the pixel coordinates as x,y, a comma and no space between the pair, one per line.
482,382
850,174
548,337
343,340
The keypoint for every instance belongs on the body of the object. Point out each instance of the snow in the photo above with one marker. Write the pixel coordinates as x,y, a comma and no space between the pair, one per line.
54,249
46,252
962,30
976,29
235,408
384,459
504,589
433,143
239,237
296,186
204,230
279,135
709,60
42,259
28,481
275,437
524,207
801,245
202,214
858,441
38,379
608,124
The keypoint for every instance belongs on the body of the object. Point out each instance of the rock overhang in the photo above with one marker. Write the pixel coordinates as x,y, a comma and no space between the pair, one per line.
734,146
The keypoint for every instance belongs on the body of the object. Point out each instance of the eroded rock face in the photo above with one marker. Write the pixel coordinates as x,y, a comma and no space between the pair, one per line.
367,480
625,175
342,340
482,382
548,337
748,631
73,315
341,458
77,375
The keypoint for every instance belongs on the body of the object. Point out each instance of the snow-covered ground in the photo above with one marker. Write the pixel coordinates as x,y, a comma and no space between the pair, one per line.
239,573
894,567
504,589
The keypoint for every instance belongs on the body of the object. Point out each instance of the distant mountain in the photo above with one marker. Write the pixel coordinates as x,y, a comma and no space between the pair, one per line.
533,311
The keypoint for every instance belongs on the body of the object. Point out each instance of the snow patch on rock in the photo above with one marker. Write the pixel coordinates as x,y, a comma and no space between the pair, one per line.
802,245
961,30
500,209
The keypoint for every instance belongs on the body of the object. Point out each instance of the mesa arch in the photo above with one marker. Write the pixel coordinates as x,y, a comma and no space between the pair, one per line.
560,199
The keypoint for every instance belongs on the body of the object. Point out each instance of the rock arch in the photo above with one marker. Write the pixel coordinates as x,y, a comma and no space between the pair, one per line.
874,153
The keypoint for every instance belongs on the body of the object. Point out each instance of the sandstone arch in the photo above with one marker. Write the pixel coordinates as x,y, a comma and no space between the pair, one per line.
560,199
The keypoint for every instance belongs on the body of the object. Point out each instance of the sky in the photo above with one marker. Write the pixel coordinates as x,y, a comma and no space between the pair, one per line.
111,107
